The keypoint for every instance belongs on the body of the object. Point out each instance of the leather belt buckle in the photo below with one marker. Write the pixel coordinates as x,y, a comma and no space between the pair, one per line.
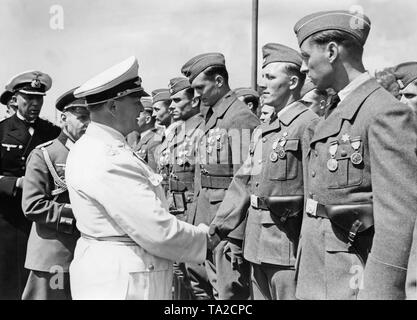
311,207
254,201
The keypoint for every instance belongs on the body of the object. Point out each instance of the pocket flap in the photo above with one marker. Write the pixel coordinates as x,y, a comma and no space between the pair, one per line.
292,145
333,244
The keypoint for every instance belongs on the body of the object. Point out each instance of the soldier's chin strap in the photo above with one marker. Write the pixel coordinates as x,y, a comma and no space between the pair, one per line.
60,184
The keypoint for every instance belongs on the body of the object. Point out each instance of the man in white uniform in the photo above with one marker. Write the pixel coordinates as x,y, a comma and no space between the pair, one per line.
128,238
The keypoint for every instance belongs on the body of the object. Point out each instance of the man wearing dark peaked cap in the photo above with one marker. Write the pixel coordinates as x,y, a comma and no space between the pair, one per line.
221,151
270,182
45,201
360,171
19,135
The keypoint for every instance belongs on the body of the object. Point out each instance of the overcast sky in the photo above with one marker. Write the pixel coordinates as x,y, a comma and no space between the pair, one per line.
164,34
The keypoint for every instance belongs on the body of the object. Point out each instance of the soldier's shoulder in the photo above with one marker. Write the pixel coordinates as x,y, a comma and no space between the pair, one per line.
45,144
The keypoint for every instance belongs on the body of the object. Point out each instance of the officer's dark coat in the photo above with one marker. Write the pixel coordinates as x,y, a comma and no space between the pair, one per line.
146,146
328,267
53,236
267,239
233,122
16,145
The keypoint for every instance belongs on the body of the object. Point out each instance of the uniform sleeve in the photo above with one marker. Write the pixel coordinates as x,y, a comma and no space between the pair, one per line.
38,204
8,186
392,140
129,199
411,287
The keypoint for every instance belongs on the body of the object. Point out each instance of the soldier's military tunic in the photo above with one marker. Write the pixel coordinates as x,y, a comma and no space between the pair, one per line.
53,236
362,154
222,150
146,146
273,171
16,145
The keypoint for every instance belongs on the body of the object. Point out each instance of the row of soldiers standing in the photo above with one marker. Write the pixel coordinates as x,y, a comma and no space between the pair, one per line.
293,206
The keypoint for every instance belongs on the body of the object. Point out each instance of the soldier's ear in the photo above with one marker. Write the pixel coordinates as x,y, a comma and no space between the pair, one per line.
148,119
294,81
332,51
219,80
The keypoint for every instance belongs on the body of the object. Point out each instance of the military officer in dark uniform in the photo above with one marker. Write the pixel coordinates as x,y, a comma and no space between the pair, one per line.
271,181
6,98
19,135
45,201
360,172
223,147
149,138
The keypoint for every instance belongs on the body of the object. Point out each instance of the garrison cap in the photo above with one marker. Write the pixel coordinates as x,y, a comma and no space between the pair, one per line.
67,100
30,82
160,95
241,92
118,81
307,87
147,104
177,84
275,52
406,73
5,97
198,64
356,24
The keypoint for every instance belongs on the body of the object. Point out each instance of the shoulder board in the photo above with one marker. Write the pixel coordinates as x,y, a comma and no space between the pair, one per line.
45,144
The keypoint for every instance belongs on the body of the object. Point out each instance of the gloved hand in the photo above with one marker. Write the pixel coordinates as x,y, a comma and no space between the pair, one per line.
19,182
235,253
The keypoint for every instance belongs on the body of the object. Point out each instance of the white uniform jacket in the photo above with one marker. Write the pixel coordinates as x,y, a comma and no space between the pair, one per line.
128,236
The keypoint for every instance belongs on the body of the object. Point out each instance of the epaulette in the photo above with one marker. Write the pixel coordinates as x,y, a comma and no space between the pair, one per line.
45,144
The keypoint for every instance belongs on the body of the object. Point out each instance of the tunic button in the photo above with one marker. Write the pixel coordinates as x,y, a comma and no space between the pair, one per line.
343,153
23,158
313,174
257,184
151,267
23,168
263,139
259,161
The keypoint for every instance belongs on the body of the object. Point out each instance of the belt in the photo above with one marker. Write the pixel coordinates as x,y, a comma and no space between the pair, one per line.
181,181
215,182
258,202
125,240
354,217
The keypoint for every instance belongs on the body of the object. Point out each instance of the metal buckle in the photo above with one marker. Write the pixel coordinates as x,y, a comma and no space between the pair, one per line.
254,201
354,231
311,207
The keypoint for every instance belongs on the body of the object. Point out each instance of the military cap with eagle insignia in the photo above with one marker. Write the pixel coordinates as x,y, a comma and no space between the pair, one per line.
30,82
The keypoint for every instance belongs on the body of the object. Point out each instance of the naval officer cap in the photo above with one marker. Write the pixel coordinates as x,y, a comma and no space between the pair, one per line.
275,52
177,84
355,24
147,104
116,82
405,73
30,82
160,95
5,97
242,92
69,101
192,68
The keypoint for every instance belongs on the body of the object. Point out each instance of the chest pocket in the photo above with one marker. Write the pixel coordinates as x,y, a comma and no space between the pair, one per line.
286,167
349,171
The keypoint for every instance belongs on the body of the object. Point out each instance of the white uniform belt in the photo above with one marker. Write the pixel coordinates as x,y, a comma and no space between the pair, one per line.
123,240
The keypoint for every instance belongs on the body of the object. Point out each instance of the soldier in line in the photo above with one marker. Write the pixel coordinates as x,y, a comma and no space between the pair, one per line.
270,182
225,141
184,107
45,201
406,75
19,135
315,99
266,113
249,97
362,147
149,138
6,98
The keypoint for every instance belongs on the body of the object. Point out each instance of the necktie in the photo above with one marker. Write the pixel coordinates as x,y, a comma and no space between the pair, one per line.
209,114
334,101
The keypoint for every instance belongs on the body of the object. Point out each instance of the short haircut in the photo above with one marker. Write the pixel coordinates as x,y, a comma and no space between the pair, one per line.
211,72
294,70
352,45
253,99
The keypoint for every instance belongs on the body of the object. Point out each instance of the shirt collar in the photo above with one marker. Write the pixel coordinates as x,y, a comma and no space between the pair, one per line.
356,83
145,133
104,132
285,109
23,118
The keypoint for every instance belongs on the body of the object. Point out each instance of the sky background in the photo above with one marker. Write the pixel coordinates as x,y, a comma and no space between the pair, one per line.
164,34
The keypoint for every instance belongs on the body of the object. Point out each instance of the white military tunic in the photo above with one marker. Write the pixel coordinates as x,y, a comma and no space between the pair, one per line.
128,236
